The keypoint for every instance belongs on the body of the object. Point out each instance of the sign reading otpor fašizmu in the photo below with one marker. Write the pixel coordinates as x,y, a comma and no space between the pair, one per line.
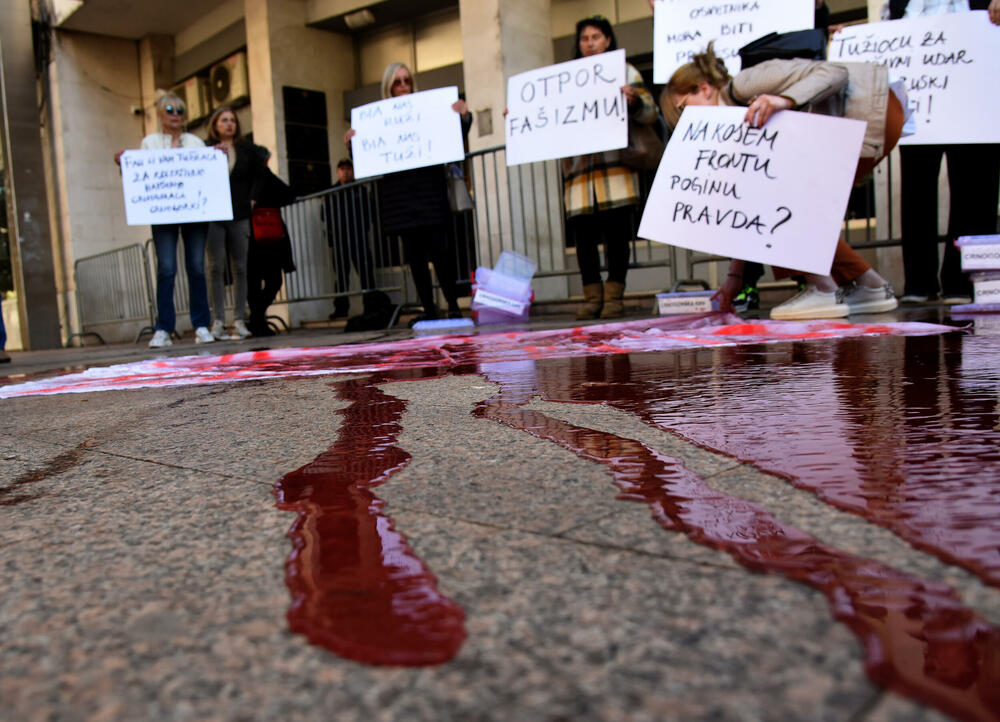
568,109
774,195
176,185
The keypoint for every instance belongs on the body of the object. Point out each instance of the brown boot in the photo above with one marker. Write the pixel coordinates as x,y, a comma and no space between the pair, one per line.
593,295
613,306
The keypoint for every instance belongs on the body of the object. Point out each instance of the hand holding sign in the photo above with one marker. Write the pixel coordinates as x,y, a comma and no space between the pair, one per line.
774,195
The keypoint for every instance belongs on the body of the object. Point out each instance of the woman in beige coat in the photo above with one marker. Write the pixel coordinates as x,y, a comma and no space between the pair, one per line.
853,90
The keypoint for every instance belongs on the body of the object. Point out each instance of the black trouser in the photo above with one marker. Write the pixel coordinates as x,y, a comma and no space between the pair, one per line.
615,228
974,181
348,250
264,277
431,244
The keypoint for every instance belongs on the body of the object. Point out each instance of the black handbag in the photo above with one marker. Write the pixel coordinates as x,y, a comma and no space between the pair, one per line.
806,44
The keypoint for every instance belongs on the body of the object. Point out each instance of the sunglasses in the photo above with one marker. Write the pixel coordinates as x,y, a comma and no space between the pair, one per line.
402,81
173,110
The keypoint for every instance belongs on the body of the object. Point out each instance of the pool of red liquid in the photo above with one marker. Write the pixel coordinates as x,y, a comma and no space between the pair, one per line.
902,431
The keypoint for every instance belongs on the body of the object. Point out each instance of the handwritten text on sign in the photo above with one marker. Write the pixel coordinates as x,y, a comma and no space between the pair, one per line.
408,131
176,185
772,195
949,65
567,109
682,28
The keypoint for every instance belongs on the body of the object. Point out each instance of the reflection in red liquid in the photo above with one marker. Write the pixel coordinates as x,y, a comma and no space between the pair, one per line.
357,587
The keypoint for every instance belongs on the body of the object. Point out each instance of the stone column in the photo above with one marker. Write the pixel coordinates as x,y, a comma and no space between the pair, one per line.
156,72
517,208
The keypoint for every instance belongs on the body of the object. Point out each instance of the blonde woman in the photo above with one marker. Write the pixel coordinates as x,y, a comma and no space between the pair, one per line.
414,206
170,111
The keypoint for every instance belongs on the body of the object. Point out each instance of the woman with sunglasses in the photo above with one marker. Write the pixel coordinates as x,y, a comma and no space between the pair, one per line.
601,192
414,206
819,87
170,112
231,239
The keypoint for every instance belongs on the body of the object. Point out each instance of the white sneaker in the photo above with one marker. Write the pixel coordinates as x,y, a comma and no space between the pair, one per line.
810,303
203,335
914,298
868,300
161,339
240,328
218,329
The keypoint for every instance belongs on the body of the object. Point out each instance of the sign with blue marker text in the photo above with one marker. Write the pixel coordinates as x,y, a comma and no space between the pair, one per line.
176,185
774,195
405,132
567,109
949,66
682,28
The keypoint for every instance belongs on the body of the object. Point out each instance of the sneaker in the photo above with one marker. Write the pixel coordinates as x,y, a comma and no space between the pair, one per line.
867,300
240,328
748,299
914,298
218,330
161,339
203,335
810,303
955,300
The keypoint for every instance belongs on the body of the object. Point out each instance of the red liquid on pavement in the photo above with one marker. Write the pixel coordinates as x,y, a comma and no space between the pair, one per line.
357,587
900,431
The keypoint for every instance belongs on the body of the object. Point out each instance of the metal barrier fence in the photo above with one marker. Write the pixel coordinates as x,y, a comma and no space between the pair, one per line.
114,287
340,250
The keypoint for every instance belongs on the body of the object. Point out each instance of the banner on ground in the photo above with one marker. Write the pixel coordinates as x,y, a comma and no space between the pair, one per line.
949,66
405,132
682,28
567,109
175,185
775,195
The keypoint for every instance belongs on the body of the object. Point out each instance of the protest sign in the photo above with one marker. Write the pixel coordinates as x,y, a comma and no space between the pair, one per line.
949,65
774,195
408,131
567,109
176,185
682,28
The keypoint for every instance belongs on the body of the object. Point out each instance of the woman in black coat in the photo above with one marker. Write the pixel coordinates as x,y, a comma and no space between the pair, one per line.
414,206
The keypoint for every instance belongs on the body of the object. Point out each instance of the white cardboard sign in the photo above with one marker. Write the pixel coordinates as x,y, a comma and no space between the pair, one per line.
774,195
567,109
176,185
405,132
682,28
949,65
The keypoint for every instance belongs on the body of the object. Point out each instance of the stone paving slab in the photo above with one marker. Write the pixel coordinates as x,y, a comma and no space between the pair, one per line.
146,581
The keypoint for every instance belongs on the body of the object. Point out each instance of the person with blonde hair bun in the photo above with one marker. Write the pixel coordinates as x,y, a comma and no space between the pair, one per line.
854,90
170,111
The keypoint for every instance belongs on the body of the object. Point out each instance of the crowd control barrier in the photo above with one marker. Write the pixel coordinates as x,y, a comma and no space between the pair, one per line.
113,288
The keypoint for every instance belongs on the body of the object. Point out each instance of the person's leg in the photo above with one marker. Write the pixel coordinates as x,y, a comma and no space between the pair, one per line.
442,253
195,236
165,244
416,257
239,245
342,269
616,226
920,165
974,182
4,357
586,235
216,242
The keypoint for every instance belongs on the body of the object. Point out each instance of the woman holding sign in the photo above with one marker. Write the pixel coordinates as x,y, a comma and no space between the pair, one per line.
414,206
602,192
170,110
776,85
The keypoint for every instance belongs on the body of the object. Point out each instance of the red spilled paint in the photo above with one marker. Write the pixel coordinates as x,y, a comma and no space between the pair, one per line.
357,587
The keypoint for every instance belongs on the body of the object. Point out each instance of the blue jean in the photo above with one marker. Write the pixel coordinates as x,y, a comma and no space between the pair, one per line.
3,329
165,241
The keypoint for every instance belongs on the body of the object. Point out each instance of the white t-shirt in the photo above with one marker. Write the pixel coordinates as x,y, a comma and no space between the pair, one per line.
159,141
